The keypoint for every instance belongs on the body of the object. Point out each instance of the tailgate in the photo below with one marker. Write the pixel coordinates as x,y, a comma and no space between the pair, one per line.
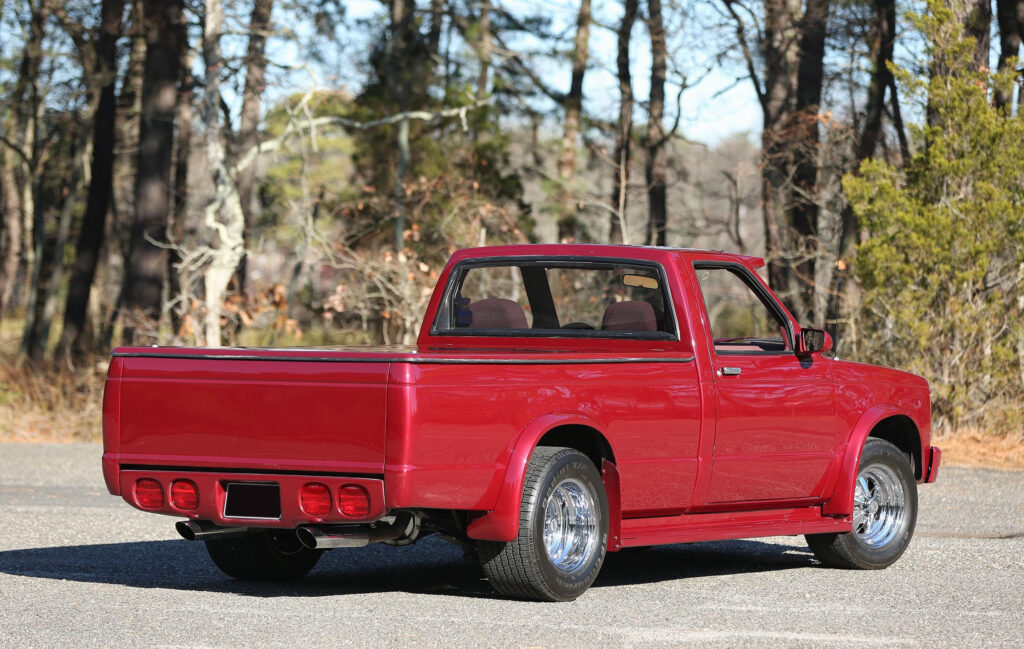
273,415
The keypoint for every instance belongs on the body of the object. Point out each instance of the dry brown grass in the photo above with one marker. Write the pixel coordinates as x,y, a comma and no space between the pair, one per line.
977,449
51,405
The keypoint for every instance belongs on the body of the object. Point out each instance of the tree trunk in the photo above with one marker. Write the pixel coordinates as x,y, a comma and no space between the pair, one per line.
400,72
226,203
182,152
35,342
248,127
1011,28
126,125
567,221
803,213
29,108
436,22
90,237
12,227
976,15
146,266
482,84
656,163
780,51
623,135
883,39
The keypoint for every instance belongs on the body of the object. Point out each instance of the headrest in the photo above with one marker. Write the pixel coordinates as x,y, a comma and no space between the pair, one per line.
497,313
629,316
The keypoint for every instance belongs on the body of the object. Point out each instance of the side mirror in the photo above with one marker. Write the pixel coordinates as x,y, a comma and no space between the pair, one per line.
814,340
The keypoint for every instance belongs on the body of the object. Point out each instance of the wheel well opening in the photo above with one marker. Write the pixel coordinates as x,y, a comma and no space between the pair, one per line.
901,432
584,439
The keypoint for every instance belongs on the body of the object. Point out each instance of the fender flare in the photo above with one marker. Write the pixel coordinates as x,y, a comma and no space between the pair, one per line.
502,522
841,501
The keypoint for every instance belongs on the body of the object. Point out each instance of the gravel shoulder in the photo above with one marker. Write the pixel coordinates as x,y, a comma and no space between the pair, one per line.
80,567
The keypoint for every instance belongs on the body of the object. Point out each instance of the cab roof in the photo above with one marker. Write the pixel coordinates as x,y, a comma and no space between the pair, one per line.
583,250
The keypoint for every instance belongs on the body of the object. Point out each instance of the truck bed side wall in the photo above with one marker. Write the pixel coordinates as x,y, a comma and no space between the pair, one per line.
452,428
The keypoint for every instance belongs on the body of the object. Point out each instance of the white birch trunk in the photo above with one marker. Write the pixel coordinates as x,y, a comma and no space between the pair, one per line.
224,214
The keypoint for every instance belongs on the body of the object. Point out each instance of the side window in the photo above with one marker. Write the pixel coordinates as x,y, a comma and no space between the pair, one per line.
741,323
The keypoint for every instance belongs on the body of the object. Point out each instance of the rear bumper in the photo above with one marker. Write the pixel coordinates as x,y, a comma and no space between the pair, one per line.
212,486
934,460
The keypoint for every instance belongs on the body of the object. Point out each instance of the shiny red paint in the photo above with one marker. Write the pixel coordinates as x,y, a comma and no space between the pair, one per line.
687,452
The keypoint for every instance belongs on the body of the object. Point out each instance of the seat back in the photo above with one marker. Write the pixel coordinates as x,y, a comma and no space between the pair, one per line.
497,313
629,316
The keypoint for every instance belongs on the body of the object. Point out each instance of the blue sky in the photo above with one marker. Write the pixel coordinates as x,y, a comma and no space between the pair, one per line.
718,103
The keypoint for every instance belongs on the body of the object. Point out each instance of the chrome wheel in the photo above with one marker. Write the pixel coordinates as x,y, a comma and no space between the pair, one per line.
879,506
570,525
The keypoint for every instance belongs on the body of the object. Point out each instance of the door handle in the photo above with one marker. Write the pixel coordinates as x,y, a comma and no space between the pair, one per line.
729,371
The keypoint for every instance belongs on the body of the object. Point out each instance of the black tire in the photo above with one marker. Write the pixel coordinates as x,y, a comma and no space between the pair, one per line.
263,556
878,538
523,568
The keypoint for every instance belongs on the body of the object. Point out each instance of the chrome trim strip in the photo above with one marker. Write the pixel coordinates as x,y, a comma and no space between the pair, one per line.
415,361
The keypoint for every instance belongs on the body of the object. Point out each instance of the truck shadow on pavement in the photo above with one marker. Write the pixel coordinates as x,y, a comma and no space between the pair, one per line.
431,566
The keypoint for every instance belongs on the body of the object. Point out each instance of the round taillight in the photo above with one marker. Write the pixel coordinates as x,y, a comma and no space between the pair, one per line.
353,501
315,499
149,494
184,494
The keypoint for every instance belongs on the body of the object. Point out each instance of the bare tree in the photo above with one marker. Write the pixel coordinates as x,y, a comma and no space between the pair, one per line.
624,130
788,78
248,125
224,215
23,158
573,103
146,264
654,142
90,236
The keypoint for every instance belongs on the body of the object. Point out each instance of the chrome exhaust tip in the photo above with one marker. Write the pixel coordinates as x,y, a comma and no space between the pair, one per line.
199,530
317,538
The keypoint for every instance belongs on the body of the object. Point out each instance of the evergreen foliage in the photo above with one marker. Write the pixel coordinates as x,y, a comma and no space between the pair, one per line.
943,267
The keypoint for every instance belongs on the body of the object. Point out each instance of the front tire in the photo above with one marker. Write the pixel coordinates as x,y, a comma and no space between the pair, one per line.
563,531
263,556
884,513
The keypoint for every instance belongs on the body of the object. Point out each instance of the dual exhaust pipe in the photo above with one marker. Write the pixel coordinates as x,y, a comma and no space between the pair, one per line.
405,529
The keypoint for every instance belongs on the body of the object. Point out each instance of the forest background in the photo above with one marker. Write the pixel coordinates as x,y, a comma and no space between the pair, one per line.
274,172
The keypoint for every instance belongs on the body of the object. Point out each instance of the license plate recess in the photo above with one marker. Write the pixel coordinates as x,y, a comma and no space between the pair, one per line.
253,500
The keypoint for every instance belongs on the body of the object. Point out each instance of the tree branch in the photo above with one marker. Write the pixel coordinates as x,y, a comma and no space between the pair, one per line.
748,56
298,127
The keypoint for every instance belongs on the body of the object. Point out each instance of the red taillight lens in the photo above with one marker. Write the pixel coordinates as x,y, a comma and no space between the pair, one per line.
353,501
315,499
149,494
184,494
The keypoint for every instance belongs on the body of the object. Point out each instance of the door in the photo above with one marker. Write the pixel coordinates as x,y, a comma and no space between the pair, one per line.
776,412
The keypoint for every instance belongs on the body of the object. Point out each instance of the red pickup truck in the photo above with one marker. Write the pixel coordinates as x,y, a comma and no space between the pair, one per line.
561,402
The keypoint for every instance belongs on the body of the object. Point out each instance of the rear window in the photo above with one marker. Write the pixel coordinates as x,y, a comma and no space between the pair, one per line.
606,299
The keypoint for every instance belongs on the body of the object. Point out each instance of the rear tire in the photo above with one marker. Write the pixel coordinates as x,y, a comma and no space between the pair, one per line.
263,556
884,513
563,531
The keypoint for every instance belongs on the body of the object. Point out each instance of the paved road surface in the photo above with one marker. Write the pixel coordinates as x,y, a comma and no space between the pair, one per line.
80,568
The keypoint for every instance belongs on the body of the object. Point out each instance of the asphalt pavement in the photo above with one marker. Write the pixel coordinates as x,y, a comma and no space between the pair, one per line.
80,568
